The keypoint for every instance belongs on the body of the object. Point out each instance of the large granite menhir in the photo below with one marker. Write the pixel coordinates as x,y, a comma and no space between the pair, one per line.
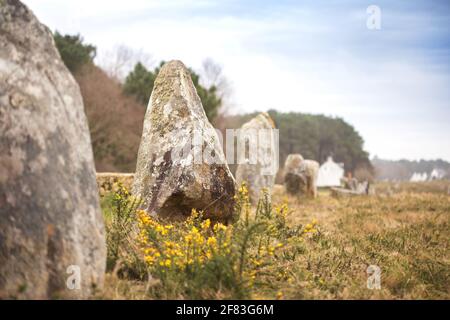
52,240
180,163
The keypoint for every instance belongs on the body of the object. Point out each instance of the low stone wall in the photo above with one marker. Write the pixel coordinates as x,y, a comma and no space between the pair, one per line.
107,181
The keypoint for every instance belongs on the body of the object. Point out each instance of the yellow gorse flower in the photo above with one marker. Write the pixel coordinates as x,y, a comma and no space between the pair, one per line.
311,228
282,210
206,224
184,248
211,242
192,242
219,227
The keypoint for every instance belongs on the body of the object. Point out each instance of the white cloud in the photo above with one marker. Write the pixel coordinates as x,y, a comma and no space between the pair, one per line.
317,60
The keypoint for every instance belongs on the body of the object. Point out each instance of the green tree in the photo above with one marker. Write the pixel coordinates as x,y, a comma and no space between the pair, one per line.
73,51
315,137
139,83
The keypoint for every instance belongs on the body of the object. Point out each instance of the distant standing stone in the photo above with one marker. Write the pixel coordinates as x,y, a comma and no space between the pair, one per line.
300,176
180,163
309,171
292,176
258,170
52,240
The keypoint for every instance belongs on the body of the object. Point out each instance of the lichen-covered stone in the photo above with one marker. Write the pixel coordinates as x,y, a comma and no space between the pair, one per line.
300,176
309,172
261,173
51,225
356,186
292,176
350,183
180,163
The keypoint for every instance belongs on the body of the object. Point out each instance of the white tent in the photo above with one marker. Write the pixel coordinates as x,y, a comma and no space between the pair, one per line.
330,174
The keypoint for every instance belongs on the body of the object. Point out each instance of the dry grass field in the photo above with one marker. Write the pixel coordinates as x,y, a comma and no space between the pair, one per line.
294,248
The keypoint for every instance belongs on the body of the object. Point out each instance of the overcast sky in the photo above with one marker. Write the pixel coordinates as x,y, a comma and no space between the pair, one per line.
391,84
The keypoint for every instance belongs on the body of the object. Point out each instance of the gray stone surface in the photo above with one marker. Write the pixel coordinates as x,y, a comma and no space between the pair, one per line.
292,176
309,171
356,186
342,192
50,217
350,183
174,173
258,176
300,175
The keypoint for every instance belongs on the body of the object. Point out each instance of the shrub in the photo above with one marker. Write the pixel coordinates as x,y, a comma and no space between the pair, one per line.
115,120
268,256
198,258
119,209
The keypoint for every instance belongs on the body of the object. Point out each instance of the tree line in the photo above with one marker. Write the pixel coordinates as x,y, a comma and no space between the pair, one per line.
316,137
115,111
402,170
139,82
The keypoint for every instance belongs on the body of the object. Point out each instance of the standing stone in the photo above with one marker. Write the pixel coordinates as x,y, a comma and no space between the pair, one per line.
258,164
52,241
350,183
309,172
300,176
292,175
356,186
180,163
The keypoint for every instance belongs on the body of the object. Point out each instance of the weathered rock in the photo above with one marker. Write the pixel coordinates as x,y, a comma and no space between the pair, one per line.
356,186
259,169
363,187
309,171
301,175
51,225
292,176
338,192
180,163
342,192
350,183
